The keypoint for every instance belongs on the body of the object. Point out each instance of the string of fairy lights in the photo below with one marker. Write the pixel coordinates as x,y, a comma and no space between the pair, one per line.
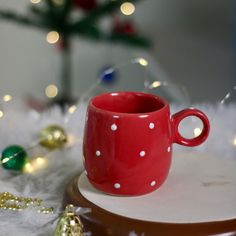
51,91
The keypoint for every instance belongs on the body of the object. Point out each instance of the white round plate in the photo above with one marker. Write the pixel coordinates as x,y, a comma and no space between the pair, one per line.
200,188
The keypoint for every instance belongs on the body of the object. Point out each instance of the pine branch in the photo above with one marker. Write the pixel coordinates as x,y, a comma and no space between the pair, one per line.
90,32
91,19
41,13
96,14
62,14
11,16
50,4
104,9
94,33
66,9
85,27
56,15
132,40
51,15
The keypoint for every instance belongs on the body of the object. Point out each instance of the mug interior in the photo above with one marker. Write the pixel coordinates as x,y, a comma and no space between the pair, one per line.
128,102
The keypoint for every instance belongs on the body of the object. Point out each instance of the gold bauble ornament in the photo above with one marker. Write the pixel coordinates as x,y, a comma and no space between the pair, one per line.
53,136
69,224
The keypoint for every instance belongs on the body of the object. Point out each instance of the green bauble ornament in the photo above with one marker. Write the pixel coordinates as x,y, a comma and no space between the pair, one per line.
53,137
14,157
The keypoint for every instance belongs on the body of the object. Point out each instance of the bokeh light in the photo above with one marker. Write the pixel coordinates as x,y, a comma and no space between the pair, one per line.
28,168
7,98
143,62
53,37
1,114
156,84
234,141
35,1
127,8
40,162
58,2
51,91
197,132
72,109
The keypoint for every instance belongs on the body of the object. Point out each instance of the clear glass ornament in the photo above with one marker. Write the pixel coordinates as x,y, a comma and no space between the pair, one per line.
142,74
230,97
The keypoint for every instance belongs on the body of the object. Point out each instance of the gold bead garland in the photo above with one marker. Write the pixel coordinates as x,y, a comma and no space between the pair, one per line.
68,224
9,201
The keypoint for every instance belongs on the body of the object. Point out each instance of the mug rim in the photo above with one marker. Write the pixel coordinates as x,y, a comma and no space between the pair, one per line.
163,101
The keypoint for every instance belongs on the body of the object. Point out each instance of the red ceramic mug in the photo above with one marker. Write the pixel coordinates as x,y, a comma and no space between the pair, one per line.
128,141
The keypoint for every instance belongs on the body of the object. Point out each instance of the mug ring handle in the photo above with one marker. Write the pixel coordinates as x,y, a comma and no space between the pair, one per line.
179,116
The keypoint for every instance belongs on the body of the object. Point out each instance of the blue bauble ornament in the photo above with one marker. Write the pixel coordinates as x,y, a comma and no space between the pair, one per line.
108,75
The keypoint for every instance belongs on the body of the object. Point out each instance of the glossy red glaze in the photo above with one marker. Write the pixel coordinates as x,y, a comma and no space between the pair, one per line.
128,141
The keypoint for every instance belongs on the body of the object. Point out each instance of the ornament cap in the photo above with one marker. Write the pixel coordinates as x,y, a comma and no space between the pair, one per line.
70,210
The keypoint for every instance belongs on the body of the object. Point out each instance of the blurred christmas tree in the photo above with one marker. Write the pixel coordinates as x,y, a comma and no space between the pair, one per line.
62,20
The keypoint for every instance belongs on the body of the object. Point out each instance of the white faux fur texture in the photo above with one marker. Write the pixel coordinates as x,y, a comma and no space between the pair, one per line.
22,127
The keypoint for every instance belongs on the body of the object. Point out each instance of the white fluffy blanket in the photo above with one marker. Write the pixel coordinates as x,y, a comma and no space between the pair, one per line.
22,127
